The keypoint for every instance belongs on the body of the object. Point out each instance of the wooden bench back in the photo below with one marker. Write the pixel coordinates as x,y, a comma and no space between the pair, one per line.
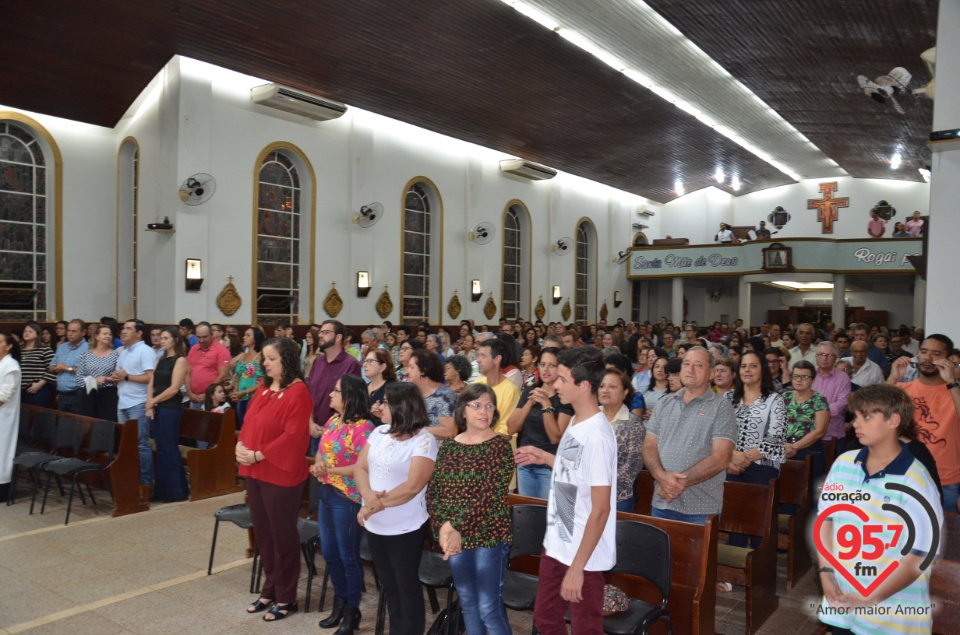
213,471
749,509
796,482
201,425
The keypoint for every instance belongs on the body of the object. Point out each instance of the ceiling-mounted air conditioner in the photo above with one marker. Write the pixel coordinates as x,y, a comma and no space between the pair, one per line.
527,169
296,102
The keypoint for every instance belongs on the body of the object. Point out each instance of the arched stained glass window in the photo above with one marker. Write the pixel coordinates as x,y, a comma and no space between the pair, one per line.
23,225
418,239
278,240
586,274
516,263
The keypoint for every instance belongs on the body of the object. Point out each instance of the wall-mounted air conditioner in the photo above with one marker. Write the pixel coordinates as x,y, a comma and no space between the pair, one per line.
646,211
296,102
527,169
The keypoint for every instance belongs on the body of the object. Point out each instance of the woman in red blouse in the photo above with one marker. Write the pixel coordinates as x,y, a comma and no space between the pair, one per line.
271,449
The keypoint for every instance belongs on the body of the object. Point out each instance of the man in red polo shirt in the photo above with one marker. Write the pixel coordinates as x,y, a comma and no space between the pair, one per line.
208,362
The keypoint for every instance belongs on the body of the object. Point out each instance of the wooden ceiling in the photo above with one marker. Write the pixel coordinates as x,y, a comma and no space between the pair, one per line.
479,71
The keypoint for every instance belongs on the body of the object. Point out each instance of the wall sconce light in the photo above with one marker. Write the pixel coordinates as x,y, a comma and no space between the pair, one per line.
617,299
194,274
556,294
363,284
475,290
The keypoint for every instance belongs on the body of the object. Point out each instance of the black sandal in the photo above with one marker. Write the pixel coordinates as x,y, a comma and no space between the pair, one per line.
259,605
280,611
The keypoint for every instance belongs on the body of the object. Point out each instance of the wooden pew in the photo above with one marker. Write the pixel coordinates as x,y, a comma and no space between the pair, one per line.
212,471
693,587
945,578
796,488
752,510
123,473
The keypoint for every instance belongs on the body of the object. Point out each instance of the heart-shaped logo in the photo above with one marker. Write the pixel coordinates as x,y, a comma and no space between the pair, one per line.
862,515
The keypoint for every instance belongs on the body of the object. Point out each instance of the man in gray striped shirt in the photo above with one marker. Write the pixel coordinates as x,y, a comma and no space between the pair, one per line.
690,439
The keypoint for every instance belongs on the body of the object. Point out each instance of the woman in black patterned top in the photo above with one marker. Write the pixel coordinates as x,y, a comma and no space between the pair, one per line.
99,362
36,380
467,502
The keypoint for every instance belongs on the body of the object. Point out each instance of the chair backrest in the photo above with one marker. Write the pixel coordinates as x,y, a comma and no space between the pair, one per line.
795,479
24,432
314,497
644,551
44,427
69,436
102,438
529,526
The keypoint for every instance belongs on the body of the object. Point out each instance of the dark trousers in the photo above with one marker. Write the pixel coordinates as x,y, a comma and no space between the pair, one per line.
102,403
274,510
73,402
397,559
41,398
171,478
242,406
586,616
758,475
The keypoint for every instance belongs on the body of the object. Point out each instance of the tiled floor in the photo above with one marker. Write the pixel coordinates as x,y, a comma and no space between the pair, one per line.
146,573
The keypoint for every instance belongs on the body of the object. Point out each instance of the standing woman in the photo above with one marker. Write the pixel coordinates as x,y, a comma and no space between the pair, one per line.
528,365
9,409
99,362
36,380
392,475
540,419
165,407
761,427
60,328
271,450
808,416
658,386
248,370
614,394
467,501
426,373
343,438
310,352
49,337
378,367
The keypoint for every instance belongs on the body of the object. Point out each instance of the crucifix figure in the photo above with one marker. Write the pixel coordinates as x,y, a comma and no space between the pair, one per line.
827,206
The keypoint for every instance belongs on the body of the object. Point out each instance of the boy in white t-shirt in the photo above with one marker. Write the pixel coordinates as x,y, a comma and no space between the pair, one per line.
580,542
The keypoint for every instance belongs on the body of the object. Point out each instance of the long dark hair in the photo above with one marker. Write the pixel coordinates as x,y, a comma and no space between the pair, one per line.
289,360
653,379
766,379
179,347
259,338
13,344
355,398
472,393
408,411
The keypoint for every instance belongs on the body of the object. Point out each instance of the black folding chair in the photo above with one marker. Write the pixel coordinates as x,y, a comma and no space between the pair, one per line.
529,526
102,439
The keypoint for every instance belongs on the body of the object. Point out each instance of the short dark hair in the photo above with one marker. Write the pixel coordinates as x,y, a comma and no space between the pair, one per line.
805,365
187,323
497,349
354,397
585,364
620,362
408,410
401,327
772,351
887,400
338,327
429,364
472,393
462,365
138,326
943,339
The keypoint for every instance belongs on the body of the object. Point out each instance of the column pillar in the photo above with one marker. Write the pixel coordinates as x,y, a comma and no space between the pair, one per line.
676,301
919,300
838,307
743,303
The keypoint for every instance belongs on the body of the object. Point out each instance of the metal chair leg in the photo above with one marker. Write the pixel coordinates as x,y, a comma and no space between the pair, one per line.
213,545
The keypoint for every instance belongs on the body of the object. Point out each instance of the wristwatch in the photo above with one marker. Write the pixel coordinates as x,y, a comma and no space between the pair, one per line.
825,570
548,409
953,384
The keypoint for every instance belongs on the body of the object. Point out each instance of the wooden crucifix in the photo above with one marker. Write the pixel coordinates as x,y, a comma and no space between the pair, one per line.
827,206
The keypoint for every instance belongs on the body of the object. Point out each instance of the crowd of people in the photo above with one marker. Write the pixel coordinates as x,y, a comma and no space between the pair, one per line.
415,433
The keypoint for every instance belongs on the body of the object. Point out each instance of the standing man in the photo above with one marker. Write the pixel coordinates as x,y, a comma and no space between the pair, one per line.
861,333
331,363
71,394
842,341
936,397
670,344
804,348
915,224
775,340
570,339
490,355
154,341
762,232
207,363
580,541
876,226
865,371
186,332
689,444
834,385
135,365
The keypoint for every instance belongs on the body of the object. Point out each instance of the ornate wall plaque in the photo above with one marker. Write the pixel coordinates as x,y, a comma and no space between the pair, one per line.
540,310
229,299
453,308
603,311
490,308
566,311
384,304
333,304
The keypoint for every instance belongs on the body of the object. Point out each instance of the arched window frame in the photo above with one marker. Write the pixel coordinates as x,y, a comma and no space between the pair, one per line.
433,271
53,161
307,234
585,272
128,224
516,255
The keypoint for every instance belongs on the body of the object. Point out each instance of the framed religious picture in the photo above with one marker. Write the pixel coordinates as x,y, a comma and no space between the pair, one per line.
777,257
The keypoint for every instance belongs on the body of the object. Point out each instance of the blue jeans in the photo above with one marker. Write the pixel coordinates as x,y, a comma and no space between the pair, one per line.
669,514
627,505
139,412
951,493
534,480
340,543
171,475
478,575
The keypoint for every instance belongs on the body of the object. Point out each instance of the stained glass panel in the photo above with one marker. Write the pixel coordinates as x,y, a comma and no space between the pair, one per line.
15,177
16,207
278,240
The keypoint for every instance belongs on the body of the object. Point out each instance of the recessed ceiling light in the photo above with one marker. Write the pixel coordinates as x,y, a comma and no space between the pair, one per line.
802,286
678,187
895,161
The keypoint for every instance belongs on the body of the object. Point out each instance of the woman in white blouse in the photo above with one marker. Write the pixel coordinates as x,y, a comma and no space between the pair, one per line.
9,409
392,475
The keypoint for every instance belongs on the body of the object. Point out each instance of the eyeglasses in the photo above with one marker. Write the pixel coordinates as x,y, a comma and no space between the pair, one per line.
328,332
406,348
801,377
826,355
371,360
477,406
